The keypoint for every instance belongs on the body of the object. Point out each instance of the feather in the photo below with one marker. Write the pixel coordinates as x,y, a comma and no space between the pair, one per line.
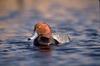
61,38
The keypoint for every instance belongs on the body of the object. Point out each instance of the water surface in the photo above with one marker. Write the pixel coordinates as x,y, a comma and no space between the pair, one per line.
83,26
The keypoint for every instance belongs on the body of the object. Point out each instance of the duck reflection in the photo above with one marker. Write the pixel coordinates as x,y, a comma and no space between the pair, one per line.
43,58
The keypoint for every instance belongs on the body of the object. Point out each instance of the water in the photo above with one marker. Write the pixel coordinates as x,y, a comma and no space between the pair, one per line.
83,26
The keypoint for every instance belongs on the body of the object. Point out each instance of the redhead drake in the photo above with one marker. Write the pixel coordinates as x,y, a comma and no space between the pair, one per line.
43,36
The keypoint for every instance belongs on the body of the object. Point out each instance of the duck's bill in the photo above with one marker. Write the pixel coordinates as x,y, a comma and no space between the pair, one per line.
33,37
61,37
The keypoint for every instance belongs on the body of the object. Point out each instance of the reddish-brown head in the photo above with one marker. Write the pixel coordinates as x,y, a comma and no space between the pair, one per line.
43,29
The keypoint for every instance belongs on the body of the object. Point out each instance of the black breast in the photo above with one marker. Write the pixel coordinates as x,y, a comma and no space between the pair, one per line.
44,40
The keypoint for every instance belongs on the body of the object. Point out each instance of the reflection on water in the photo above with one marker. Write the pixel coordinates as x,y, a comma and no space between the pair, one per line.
82,23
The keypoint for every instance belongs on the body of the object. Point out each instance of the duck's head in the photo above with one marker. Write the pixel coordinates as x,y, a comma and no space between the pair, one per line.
44,33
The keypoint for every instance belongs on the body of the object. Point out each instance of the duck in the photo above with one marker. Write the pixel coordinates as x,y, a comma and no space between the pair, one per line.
44,36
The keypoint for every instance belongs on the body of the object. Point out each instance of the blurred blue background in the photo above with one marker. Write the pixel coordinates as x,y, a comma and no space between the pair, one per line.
78,18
